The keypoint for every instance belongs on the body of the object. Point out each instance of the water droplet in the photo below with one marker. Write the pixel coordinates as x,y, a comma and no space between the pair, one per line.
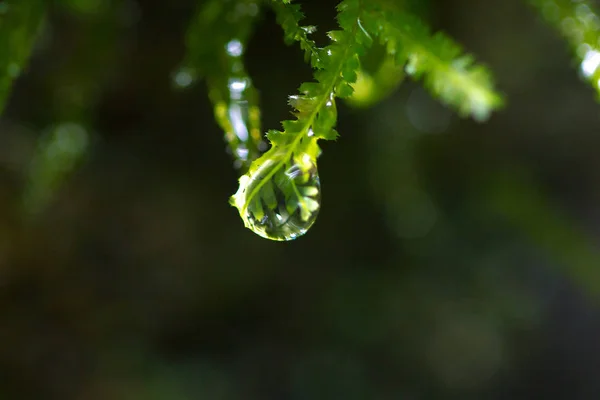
281,199
309,29
236,111
234,48
262,146
237,86
590,63
238,118
184,77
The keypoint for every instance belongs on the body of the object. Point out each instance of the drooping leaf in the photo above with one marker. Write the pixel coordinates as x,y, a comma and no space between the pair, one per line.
450,75
216,43
290,164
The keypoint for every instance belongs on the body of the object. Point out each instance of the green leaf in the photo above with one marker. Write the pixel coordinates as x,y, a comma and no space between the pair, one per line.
59,150
579,24
20,23
325,120
290,164
289,17
446,72
373,86
449,74
228,24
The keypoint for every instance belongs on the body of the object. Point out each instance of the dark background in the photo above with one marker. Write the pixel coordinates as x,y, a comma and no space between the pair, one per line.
450,259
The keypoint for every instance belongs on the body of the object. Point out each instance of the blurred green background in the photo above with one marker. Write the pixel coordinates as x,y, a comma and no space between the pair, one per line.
450,259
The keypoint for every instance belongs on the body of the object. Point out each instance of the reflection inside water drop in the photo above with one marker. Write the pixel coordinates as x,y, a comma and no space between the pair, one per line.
281,200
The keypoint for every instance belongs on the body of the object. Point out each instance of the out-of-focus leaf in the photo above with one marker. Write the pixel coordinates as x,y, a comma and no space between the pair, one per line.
216,42
579,24
371,88
526,208
446,71
59,150
20,22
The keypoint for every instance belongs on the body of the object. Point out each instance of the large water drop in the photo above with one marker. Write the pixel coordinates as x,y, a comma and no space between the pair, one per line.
280,200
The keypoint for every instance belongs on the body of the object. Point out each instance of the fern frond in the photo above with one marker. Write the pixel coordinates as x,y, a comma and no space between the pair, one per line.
20,22
269,198
579,24
220,61
447,73
279,196
289,16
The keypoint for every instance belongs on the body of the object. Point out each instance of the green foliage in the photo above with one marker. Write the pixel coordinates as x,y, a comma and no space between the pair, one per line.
447,73
20,22
58,151
228,24
579,23
279,186
289,17
371,87
450,76
295,148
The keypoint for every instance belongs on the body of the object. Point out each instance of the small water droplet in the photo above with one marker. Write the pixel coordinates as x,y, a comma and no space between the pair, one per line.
262,146
237,86
184,77
234,48
590,63
283,197
309,29
237,113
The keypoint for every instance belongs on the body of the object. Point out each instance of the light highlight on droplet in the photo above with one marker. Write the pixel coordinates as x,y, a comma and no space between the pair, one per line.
590,63
237,85
234,48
